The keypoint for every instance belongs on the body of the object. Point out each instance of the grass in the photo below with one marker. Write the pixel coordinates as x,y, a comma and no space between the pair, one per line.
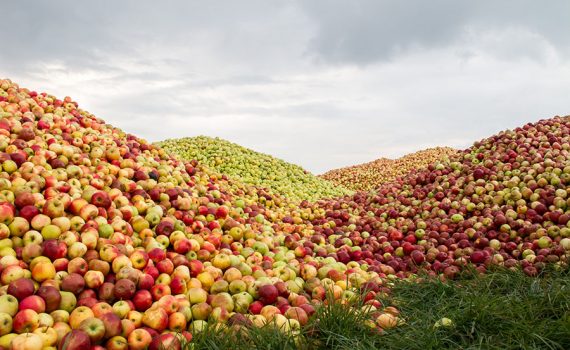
500,310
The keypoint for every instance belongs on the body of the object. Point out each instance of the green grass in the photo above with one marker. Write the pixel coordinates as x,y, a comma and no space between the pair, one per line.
501,310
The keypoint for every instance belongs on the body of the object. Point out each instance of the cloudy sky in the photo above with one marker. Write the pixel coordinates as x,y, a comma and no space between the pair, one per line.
322,83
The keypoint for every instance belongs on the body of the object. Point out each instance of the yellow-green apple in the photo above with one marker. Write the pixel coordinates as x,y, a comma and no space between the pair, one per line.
32,236
94,328
201,311
78,315
197,295
117,343
60,316
135,317
48,335
27,341
50,231
45,320
62,329
5,323
121,308
68,301
8,305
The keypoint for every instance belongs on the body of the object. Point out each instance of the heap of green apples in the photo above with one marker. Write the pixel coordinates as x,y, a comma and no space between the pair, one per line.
254,168
108,242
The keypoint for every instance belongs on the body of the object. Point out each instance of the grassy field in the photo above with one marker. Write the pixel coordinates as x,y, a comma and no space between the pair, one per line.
501,310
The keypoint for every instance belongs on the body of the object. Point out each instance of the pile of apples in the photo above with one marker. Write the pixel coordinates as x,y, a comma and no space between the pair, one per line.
254,168
504,201
369,176
109,242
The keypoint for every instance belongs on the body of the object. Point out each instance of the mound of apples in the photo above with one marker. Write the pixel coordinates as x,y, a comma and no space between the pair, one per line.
505,201
254,168
369,176
108,242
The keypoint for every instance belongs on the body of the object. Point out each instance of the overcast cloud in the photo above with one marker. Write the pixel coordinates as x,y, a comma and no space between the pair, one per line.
322,83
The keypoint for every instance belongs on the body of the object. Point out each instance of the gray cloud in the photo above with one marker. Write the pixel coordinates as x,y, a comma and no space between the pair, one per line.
367,31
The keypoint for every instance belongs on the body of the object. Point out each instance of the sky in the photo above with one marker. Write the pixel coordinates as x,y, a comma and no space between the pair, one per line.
323,83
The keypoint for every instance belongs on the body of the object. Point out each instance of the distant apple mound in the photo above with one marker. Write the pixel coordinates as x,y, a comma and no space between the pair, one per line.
504,201
369,176
254,168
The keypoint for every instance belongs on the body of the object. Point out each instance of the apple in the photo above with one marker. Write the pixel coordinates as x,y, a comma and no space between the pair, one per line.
25,321
33,302
74,283
67,302
8,305
75,340
165,341
112,324
94,328
27,341
116,343
201,311
43,271
21,288
78,315
51,296
124,289
48,335
5,323
142,300
139,339
268,294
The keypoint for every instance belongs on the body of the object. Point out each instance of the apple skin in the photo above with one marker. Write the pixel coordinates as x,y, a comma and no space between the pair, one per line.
51,296
124,289
26,321
139,339
155,318
33,302
112,324
165,341
21,288
142,300
27,341
268,294
94,328
74,283
75,340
